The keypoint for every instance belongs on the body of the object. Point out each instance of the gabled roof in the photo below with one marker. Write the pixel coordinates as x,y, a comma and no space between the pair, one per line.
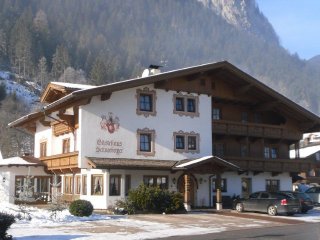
56,90
224,70
192,163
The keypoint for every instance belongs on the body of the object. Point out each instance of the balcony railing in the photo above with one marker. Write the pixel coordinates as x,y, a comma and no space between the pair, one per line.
272,165
254,130
62,162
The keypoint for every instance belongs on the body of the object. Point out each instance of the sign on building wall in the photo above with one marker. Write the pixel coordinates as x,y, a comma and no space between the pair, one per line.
109,124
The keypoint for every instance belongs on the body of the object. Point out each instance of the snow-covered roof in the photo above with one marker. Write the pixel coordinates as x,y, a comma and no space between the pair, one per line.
19,161
194,161
73,85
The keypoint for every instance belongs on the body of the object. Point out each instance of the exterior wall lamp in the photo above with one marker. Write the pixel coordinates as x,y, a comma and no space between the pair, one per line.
4,179
200,180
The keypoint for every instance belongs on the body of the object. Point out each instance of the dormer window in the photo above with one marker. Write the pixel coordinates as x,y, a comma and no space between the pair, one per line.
146,102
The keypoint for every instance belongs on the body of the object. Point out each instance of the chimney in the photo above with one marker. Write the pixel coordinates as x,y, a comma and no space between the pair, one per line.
152,70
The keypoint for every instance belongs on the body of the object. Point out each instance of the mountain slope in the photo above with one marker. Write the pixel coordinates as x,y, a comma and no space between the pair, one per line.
114,40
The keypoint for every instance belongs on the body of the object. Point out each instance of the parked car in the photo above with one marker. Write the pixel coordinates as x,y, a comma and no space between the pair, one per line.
272,203
305,200
314,193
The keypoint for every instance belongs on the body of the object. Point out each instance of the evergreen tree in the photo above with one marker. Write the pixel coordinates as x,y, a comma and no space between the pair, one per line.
60,62
98,73
42,72
3,92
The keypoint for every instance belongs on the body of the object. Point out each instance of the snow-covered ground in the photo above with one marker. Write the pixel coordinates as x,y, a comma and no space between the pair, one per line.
24,92
100,226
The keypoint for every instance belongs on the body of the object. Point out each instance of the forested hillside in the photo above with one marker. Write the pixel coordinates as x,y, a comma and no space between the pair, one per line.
104,41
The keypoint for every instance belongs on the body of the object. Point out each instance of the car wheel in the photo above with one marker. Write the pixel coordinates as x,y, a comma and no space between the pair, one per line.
290,214
304,211
272,210
239,207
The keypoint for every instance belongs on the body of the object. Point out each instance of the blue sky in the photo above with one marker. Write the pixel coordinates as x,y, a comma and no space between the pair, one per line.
297,23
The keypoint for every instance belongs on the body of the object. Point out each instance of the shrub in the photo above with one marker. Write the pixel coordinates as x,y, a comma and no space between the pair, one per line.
152,199
5,222
81,208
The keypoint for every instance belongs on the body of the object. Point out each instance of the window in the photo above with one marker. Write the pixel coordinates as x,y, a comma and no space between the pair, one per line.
216,114
272,185
244,117
84,184
154,181
218,149
146,142
66,145
68,184
96,184
266,152
146,102
223,185
186,105
179,104
257,118
192,143
43,149
78,184
318,156
270,152
180,142
42,184
186,142
127,184
274,153
243,150
191,105
114,187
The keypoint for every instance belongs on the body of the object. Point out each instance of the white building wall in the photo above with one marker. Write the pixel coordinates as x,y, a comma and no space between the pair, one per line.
123,104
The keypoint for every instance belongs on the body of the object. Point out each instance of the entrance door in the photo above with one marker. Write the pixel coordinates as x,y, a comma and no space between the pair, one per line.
245,187
182,187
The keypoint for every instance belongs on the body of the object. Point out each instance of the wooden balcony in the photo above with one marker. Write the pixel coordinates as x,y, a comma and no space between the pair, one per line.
60,128
254,130
272,165
67,162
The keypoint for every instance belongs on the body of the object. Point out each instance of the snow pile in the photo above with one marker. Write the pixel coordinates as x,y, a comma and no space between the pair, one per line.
44,217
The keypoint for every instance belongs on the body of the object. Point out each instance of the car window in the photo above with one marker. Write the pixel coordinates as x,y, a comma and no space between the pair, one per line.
264,195
311,190
254,195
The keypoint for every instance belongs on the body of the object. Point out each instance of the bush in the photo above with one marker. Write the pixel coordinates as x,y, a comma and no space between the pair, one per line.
152,199
81,208
5,222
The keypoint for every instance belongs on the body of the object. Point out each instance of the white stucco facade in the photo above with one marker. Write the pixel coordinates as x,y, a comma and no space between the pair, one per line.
123,142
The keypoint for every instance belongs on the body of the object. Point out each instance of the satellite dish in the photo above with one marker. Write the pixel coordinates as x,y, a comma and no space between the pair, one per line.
145,73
